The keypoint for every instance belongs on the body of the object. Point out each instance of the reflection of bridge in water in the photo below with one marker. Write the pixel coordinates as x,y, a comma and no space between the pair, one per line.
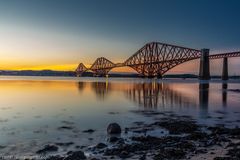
155,95
101,89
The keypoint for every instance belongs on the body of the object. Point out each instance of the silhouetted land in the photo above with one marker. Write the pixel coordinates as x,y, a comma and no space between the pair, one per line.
90,74
38,73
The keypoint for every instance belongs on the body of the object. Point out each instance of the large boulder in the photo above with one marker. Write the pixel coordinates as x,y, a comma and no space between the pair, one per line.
47,148
114,128
101,145
77,155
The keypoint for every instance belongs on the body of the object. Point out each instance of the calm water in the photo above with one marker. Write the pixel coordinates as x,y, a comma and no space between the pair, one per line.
34,110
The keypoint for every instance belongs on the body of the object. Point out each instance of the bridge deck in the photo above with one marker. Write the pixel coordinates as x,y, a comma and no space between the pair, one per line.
225,55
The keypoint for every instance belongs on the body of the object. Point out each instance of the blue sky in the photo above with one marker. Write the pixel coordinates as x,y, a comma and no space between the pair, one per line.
64,32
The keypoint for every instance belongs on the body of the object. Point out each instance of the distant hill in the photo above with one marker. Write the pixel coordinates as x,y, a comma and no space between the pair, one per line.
38,73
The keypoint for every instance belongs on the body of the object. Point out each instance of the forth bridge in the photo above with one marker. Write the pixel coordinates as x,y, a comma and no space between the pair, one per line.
155,59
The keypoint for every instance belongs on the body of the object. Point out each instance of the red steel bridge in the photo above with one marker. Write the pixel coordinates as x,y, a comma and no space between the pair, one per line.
155,59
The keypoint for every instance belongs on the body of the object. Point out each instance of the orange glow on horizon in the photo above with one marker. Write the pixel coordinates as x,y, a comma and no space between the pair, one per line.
71,67
64,67
191,67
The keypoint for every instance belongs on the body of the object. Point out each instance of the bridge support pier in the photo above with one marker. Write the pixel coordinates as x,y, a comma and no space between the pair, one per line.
159,76
204,72
100,75
150,76
225,69
79,74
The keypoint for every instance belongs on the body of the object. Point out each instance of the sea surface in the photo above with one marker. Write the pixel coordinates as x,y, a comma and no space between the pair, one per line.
35,111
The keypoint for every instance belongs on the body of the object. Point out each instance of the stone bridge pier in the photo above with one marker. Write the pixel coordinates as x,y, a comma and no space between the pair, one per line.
204,71
225,69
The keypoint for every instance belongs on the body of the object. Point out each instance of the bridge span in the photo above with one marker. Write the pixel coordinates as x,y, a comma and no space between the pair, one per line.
155,59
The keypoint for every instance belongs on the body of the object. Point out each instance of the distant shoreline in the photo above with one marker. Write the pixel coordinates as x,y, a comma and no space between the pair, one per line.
89,74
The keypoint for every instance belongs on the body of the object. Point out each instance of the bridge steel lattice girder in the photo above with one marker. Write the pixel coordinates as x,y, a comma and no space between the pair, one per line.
225,55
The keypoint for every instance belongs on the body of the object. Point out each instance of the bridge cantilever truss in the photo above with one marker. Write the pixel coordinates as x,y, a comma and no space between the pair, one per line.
80,69
153,59
102,66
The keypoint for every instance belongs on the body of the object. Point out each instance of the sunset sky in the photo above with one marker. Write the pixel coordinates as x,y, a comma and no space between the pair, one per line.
59,34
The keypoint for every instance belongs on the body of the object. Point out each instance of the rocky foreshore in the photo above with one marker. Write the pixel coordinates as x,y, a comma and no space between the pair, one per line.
168,137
